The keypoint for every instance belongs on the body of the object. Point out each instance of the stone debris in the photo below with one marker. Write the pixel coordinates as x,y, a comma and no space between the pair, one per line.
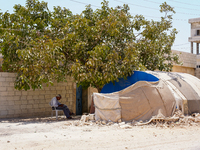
126,126
122,123
103,122
91,117
119,121
86,118
178,119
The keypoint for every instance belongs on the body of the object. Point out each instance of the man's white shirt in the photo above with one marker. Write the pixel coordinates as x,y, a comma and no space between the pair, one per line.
54,102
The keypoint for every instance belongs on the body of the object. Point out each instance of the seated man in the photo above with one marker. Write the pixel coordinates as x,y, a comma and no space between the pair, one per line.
54,103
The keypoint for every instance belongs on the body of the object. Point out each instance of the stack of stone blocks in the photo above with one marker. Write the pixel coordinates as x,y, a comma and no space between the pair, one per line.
33,103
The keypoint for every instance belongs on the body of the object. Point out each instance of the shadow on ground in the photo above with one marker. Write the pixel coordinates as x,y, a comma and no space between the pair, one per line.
39,120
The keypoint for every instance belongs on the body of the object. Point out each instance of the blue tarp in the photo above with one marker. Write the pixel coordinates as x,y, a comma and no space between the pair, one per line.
122,84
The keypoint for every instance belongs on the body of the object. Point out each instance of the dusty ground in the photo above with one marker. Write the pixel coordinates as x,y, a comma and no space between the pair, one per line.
49,134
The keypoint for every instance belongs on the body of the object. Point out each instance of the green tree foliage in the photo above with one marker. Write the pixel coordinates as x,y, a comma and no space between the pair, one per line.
94,47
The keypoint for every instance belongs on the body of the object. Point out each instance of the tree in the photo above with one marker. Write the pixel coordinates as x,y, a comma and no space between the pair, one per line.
94,47
155,41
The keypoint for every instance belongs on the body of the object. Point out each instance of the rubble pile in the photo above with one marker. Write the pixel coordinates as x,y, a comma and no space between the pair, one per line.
178,119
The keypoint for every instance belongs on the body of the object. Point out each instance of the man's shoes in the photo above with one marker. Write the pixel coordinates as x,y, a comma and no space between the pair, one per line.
69,117
71,113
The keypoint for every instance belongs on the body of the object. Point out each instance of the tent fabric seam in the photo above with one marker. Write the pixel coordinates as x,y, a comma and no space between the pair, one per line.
161,99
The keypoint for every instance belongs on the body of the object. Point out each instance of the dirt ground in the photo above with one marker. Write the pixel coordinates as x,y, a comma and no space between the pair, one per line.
62,134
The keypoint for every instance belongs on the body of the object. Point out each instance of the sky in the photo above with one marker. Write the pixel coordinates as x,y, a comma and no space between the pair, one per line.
185,10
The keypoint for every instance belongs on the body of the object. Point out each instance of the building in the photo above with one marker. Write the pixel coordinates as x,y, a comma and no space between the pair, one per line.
195,34
195,38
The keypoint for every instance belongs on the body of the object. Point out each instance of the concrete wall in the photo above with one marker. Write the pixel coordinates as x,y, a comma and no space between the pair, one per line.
87,98
195,25
1,62
197,71
188,60
31,103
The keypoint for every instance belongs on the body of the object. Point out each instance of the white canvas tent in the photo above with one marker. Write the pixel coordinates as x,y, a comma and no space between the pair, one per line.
185,88
143,99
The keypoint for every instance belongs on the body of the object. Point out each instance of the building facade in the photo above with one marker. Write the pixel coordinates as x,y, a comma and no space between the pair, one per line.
195,34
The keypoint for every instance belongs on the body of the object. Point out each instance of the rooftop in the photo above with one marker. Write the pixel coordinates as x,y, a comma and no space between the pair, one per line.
193,20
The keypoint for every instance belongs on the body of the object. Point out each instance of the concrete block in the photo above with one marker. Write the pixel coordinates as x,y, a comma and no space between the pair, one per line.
35,97
46,105
24,102
48,97
70,91
47,101
23,97
3,93
12,84
69,83
11,93
41,106
3,112
35,106
10,88
9,107
64,84
67,95
36,93
7,74
24,111
5,84
3,89
18,93
2,107
23,106
42,92
2,79
37,101
52,88
46,88
29,106
11,103
17,102
24,93
39,110
48,92
30,93
10,112
15,107
41,97
17,115
59,88
31,110
16,98
29,97
18,111
31,101
3,101
10,79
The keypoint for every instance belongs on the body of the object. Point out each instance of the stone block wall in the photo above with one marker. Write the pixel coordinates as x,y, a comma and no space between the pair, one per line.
87,98
188,60
32,103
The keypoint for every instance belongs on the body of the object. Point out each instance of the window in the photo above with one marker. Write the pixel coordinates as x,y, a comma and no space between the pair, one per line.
198,32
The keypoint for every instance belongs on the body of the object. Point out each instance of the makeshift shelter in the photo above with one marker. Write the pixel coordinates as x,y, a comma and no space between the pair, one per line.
146,94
